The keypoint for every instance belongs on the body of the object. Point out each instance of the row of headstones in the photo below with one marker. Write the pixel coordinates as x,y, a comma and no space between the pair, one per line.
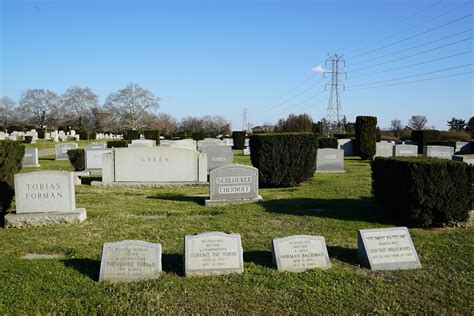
221,253
14,135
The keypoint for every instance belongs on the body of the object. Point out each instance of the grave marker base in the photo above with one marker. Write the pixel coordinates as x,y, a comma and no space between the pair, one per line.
230,202
13,220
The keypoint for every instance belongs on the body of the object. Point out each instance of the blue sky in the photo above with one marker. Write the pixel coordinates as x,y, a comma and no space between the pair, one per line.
217,57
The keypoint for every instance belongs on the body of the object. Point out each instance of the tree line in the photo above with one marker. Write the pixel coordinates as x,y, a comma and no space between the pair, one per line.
131,107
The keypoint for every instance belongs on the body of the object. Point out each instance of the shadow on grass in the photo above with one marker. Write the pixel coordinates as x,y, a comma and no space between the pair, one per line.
348,255
173,263
88,267
88,180
47,158
262,258
180,198
362,209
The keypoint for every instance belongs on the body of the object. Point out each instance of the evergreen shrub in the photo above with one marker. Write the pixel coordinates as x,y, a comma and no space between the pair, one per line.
366,136
239,139
11,157
423,191
285,159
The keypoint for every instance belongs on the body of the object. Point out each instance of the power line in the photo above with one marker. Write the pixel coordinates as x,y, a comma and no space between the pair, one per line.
298,94
414,36
301,102
411,76
412,65
413,81
413,47
412,55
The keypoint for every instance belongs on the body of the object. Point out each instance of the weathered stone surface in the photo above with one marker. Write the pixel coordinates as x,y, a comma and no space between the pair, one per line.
61,150
330,160
44,219
213,253
442,152
299,253
30,159
217,155
93,158
383,149
44,191
130,260
402,150
387,249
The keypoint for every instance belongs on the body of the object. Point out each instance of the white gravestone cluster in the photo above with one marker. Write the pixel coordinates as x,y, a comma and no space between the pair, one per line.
329,160
233,184
44,198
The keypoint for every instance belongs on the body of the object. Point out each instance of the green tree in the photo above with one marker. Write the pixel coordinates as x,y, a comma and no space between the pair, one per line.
456,124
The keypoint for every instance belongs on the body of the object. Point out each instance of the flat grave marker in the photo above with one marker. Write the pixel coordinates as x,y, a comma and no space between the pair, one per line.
387,249
213,253
299,253
130,260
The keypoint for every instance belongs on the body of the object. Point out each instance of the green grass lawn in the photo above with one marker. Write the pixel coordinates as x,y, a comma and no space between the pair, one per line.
332,205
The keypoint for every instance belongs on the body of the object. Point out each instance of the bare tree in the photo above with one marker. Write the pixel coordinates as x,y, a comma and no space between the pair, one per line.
166,123
417,122
7,110
191,124
396,127
39,106
215,125
79,101
130,104
295,123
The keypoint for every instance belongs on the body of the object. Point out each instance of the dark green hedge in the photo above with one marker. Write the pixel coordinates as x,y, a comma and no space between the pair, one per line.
11,156
41,132
28,139
239,139
365,136
85,135
77,159
117,143
152,134
198,136
283,159
423,191
328,142
131,134
343,136
422,137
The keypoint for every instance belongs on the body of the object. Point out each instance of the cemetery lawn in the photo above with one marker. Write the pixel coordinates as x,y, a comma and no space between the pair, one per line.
332,205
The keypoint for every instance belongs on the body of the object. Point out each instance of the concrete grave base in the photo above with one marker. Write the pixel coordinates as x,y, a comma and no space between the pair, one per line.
78,175
335,171
13,220
149,184
229,202
32,166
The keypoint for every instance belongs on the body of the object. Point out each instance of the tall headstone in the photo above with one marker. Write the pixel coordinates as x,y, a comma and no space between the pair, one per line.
44,198
330,160
217,156
402,150
213,253
30,159
383,149
299,253
130,260
387,249
442,152
233,184
61,150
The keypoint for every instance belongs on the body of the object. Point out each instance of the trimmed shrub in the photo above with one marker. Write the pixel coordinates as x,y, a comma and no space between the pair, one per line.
366,136
341,136
198,136
284,159
422,137
131,134
152,134
85,135
328,142
423,191
117,143
41,132
92,135
28,139
239,139
76,158
11,156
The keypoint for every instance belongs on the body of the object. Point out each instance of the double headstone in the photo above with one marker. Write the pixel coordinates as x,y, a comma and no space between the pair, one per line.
402,150
43,198
387,249
130,260
30,159
233,184
299,253
217,155
61,150
442,152
330,160
213,253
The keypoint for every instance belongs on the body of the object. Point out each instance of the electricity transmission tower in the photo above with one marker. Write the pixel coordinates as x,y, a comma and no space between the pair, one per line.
245,120
334,118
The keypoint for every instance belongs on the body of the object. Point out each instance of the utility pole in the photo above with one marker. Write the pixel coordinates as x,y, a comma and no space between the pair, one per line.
334,118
